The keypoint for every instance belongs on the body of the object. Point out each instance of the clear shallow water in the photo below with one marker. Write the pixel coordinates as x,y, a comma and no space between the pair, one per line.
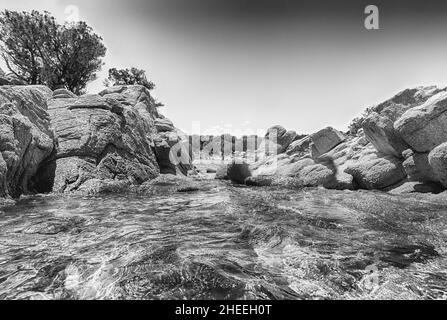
224,242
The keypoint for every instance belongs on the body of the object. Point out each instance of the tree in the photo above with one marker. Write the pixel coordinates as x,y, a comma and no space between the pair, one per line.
38,50
118,77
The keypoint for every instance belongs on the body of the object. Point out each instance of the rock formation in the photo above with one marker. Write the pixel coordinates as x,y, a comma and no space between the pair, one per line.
401,148
57,141
25,139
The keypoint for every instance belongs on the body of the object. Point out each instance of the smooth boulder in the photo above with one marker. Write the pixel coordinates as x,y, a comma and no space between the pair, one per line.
425,127
376,171
237,172
325,140
438,162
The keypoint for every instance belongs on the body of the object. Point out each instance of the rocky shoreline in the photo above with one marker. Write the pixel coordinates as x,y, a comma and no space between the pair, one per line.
400,148
58,142
117,140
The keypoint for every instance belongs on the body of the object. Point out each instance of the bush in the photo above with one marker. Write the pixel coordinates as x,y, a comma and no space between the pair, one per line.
134,76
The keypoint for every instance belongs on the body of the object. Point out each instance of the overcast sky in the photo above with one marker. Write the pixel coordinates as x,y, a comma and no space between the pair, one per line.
243,66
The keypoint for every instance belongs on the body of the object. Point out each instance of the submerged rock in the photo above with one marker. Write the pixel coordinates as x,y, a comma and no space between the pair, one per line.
26,139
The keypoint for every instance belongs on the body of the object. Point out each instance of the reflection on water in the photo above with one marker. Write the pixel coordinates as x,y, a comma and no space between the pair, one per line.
225,242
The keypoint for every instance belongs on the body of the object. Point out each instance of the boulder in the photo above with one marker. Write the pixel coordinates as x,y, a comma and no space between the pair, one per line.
281,137
295,172
164,125
438,162
236,172
26,139
417,167
379,130
425,127
376,171
172,154
299,146
325,140
103,137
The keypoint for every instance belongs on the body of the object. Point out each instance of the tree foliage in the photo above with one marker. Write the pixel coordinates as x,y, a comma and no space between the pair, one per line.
38,50
131,76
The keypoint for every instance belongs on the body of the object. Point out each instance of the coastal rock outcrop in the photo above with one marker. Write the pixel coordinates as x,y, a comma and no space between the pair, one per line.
379,124
106,136
26,139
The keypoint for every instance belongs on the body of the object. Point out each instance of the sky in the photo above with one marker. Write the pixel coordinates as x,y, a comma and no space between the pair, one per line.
242,66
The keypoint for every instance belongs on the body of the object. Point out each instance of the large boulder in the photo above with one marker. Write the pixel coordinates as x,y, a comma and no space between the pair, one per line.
325,140
297,172
280,137
300,147
379,130
26,139
236,171
425,127
375,171
106,137
378,126
417,167
438,162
